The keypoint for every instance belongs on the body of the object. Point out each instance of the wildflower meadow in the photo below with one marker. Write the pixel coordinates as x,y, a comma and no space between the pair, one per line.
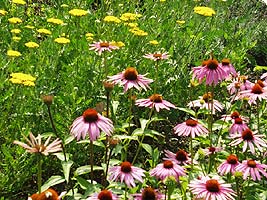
138,100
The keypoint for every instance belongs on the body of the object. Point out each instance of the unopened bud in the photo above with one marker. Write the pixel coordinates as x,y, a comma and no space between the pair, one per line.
48,99
113,142
108,86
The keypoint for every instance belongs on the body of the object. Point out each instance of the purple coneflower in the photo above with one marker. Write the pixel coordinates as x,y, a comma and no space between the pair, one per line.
126,173
214,189
103,195
234,115
238,126
206,101
252,168
91,122
211,70
149,193
250,139
212,150
229,165
228,67
255,93
130,78
102,46
166,169
180,157
156,56
155,101
190,128
240,83
34,145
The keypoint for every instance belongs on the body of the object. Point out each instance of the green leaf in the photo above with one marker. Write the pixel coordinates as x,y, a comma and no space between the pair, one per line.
259,68
148,148
83,183
187,110
86,169
53,180
66,165
61,157
143,123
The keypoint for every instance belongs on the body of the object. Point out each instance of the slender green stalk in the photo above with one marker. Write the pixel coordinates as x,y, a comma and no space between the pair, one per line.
156,77
55,131
92,160
125,192
141,141
39,175
191,152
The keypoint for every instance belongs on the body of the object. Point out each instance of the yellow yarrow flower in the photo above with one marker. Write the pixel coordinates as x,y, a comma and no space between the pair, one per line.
16,31
129,16
162,0
16,39
154,42
13,53
78,12
181,22
44,31
15,20
21,78
132,25
117,44
3,12
62,40
20,2
137,31
31,45
55,21
205,11
29,27
112,19
89,36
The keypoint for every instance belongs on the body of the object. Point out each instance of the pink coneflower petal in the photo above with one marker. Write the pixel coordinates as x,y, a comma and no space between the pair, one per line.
214,189
249,139
156,56
91,123
190,128
252,168
155,101
130,78
102,46
126,173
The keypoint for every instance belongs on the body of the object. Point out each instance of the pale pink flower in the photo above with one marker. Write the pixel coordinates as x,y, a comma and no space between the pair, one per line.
252,168
212,150
149,193
103,195
166,169
264,76
102,46
91,123
255,93
206,102
238,126
211,189
233,116
126,173
35,145
181,157
240,83
156,56
155,101
249,139
211,70
228,67
190,128
229,165
130,78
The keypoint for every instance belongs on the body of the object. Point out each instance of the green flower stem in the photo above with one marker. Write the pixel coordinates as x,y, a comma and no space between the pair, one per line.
55,131
156,77
92,160
39,175
191,152
141,141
